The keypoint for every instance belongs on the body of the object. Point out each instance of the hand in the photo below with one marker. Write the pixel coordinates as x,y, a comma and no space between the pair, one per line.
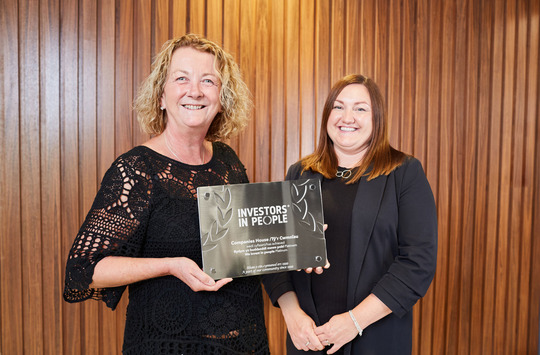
318,270
191,274
301,329
338,331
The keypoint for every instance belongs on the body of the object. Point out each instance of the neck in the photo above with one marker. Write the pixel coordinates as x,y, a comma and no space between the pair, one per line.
349,161
190,151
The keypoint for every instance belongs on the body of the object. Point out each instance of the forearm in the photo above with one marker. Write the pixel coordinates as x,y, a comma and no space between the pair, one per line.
370,310
114,271
288,302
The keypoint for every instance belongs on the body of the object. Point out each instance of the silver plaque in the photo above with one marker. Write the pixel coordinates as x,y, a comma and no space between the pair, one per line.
261,228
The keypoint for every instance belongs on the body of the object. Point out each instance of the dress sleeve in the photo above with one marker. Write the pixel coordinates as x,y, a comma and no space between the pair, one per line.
409,276
115,226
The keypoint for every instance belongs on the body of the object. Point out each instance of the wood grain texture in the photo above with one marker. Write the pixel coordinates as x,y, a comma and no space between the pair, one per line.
11,280
461,81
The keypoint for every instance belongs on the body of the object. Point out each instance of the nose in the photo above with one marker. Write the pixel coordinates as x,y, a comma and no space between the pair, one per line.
347,116
195,89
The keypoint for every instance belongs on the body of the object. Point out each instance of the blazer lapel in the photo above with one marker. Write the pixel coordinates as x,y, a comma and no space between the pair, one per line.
364,213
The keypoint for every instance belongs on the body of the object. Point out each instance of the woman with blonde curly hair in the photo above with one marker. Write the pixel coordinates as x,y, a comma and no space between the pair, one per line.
142,231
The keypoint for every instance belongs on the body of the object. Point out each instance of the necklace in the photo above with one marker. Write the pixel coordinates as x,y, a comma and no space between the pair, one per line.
345,174
176,156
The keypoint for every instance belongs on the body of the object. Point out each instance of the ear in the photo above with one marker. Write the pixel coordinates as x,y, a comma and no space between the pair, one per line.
162,101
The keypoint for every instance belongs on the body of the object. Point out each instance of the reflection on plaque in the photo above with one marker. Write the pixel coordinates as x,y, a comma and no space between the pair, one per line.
261,228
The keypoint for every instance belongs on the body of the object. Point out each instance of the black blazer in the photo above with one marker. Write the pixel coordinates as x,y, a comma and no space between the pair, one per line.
393,254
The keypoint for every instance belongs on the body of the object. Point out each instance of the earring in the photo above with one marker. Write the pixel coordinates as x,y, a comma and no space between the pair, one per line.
161,108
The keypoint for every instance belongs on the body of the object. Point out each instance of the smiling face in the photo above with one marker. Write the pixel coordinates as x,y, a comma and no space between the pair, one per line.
191,92
350,123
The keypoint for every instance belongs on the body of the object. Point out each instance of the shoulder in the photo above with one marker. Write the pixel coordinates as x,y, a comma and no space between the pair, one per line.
222,149
135,162
294,171
409,166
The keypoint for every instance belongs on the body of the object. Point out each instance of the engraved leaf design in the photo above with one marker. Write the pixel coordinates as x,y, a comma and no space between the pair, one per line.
225,217
205,238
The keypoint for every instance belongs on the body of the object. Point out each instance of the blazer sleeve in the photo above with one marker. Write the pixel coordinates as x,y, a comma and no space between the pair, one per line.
280,283
410,274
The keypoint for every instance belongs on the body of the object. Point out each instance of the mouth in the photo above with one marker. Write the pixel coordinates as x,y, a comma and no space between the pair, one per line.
347,129
193,107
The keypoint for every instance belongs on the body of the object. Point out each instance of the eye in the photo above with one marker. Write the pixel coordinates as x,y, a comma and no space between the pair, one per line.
337,107
208,82
181,79
362,108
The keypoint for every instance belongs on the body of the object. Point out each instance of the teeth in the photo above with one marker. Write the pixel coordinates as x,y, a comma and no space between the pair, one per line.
193,107
347,129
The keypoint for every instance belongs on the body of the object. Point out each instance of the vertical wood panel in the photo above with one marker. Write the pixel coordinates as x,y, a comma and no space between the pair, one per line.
231,43
246,139
165,17
337,42
178,18
52,274
521,206
423,327
483,20
262,121
69,191
433,170
214,20
322,60
461,82
277,96
32,296
197,11
354,38
393,97
532,181
124,76
292,85
517,210
11,281
105,133
90,335
306,77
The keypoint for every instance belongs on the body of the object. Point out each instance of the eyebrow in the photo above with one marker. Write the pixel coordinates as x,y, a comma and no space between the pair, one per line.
354,103
186,72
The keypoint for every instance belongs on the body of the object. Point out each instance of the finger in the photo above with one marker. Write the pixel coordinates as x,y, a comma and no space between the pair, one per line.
316,345
219,284
324,227
327,264
319,270
333,349
309,270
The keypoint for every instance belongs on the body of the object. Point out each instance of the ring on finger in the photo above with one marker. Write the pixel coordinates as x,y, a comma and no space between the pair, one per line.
308,342
327,342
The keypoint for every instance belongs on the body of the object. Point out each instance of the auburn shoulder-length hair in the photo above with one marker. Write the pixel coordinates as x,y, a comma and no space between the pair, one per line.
234,94
380,157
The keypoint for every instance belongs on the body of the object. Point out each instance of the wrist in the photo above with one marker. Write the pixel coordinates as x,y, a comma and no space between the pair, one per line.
356,325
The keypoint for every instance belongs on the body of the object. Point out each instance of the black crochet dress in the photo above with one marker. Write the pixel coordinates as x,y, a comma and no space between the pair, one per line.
147,207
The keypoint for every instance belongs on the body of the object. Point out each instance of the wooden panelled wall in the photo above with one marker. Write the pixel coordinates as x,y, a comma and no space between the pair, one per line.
461,78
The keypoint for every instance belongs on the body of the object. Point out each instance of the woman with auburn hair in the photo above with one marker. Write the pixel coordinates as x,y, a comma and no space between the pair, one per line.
381,237
142,231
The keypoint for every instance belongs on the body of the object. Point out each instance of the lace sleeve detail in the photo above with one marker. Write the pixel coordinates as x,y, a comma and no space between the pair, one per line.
115,225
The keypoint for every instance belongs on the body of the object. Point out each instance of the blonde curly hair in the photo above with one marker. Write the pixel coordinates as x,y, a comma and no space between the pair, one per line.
234,94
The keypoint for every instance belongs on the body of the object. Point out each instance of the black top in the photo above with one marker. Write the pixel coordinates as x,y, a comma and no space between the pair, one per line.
147,207
338,199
